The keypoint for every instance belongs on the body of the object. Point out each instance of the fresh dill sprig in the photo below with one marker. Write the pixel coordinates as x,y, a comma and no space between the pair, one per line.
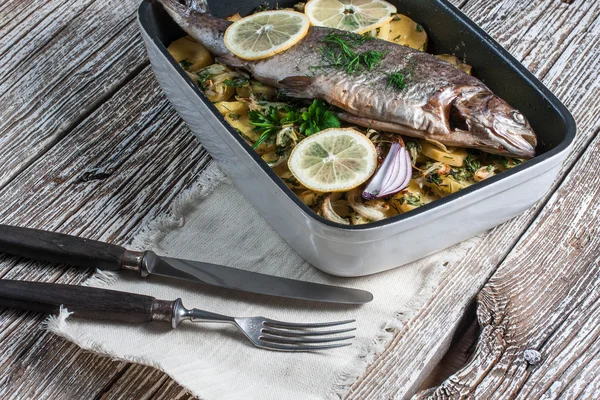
397,80
340,52
401,79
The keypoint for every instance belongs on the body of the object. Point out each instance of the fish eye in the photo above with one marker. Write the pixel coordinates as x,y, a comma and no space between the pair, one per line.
518,117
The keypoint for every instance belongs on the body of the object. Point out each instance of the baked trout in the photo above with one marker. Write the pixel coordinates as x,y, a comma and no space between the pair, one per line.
437,102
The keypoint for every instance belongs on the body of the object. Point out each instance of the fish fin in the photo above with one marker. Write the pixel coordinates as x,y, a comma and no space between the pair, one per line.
380,125
294,82
231,60
295,86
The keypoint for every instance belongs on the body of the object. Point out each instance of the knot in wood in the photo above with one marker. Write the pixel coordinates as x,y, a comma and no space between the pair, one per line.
532,357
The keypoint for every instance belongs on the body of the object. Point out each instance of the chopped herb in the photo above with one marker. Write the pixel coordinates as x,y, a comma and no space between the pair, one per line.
401,79
280,151
397,37
202,78
489,168
264,123
472,163
340,52
503,161
413,145
238,81
410,199
420,28
461,174
434,178
413,200
397,80
234,117
185,64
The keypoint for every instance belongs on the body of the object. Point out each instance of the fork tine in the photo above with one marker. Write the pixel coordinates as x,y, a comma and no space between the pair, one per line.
285,347
280,324
284,332
302,340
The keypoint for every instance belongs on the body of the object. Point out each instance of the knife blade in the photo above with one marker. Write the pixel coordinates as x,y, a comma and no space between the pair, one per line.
80,252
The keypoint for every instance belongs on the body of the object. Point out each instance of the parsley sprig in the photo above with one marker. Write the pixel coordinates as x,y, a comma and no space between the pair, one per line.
315,119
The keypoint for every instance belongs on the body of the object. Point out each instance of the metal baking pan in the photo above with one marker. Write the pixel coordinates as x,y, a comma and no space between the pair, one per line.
366,249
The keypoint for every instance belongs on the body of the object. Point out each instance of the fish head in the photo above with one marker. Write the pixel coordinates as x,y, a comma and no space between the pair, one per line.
494,125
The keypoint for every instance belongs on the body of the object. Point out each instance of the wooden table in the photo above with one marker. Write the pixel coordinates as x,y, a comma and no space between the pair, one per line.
90,146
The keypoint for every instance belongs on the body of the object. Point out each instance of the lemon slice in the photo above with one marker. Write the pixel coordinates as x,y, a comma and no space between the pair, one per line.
266,33
357,16
333,160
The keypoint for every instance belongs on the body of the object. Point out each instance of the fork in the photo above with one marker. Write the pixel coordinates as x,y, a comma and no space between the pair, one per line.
88,302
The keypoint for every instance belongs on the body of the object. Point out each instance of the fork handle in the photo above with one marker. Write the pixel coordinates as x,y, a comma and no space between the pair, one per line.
84,301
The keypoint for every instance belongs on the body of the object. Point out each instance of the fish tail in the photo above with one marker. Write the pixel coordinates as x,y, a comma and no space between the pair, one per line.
195,19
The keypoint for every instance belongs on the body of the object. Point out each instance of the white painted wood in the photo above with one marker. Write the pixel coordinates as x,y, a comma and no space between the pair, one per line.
404,365
101,112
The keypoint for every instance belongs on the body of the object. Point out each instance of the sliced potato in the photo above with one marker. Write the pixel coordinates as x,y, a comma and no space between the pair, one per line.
452,59
357,219
290,180
190,54
447,185
260,90
238,108
452,156
270,157
404,31
219,92
242,125
412,197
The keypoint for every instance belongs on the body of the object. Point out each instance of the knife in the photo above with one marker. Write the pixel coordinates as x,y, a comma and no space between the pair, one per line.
80,252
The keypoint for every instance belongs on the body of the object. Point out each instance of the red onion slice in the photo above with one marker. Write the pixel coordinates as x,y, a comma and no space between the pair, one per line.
374,186
393,175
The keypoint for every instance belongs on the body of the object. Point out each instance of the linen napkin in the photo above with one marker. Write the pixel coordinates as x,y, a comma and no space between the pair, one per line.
213,222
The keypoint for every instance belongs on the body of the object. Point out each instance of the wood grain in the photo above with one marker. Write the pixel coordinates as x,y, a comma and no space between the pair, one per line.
432,327
103,137
136,125
543,300
58,63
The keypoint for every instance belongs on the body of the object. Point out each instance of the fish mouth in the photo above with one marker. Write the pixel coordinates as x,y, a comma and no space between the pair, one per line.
495,126
516,145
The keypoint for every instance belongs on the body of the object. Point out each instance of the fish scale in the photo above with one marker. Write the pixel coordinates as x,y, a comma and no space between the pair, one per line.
440,102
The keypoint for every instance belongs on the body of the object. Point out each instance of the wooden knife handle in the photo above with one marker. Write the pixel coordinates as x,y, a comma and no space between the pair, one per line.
83,301
60,248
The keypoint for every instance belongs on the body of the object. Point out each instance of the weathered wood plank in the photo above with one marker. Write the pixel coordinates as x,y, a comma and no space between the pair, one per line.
543,298
432,327
123,190
170,390
141,383
170,393
74,54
